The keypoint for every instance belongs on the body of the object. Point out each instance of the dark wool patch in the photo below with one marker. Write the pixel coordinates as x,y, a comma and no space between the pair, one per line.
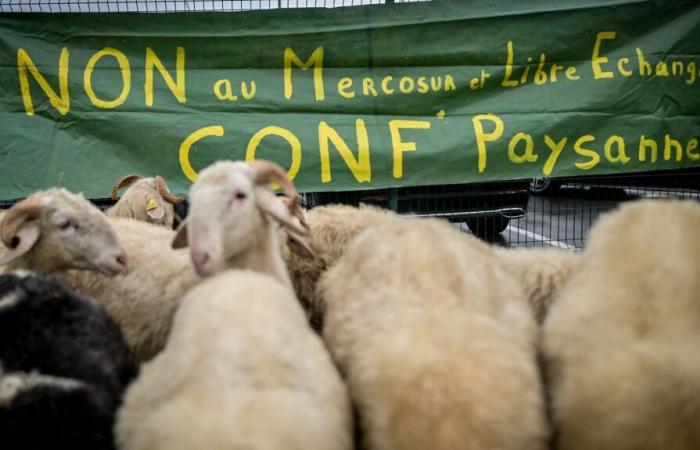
52,331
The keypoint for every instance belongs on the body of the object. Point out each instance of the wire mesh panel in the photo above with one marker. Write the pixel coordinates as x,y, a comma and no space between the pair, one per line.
562,215
524,213
101,6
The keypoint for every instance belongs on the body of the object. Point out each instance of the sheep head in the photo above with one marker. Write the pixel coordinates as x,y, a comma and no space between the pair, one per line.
232,208
57,230
147,199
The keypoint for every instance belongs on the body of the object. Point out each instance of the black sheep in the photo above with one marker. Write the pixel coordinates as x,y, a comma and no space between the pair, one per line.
63,366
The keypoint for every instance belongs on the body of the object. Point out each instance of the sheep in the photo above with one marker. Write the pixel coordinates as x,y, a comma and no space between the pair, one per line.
62,366
241,369
145,295
436,340
144,298
146,199
231,215
57,230
621,340
332,227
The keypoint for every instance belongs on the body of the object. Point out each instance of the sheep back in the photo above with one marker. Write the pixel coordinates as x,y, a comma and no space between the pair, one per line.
436,340
621,340
241,369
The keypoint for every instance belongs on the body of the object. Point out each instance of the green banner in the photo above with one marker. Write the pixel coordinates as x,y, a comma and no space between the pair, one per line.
351,98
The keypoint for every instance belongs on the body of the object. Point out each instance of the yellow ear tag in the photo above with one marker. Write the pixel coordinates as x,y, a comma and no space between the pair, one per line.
151,205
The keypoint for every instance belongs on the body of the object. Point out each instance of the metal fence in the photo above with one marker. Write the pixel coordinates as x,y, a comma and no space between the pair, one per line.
555,212
562,216
161,6
510,213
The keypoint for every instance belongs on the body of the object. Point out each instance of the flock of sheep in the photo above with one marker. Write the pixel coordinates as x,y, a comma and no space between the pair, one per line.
339,327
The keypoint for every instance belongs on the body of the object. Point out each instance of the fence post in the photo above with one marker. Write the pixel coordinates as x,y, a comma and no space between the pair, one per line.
394,199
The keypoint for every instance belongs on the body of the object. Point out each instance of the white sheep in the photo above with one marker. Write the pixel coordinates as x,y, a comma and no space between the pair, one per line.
622,340
436,340
56,230
64,231
146,199
235,218
242,369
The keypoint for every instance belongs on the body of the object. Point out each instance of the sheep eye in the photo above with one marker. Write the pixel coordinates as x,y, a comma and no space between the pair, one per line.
240,195
64,225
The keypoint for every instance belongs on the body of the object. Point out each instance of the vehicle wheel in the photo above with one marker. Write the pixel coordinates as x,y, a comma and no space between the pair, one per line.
540,186
487,227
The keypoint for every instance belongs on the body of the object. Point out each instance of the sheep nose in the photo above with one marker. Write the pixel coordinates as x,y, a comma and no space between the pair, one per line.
121,259
113,264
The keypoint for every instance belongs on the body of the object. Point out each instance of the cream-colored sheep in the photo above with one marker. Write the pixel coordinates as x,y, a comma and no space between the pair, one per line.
332,227
436,339
55,231
146,199
622,340
242,369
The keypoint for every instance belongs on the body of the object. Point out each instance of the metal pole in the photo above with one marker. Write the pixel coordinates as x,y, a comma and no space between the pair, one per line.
394,199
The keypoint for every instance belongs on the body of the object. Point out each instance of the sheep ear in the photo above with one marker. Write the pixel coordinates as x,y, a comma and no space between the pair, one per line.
154,209
19,229
276,208
298,245
25,237
180,239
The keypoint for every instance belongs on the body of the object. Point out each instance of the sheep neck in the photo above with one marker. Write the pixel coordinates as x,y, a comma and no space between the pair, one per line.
263,256
34,264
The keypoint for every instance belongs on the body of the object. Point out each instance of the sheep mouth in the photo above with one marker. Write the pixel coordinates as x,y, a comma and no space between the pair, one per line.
110,268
